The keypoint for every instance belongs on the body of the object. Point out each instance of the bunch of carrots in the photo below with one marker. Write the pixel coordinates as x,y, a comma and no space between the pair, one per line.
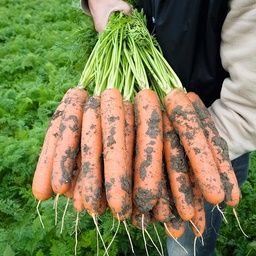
139,144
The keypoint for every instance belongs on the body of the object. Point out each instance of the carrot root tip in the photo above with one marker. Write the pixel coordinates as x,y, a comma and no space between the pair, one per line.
175,239
239,224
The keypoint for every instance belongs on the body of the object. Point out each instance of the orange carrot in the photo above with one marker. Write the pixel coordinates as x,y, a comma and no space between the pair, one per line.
220,152
187,124
149,148
198,219
91,149
177,169
129,137
103,204
129,144
176,226
114,155
41,186
77,190
74,175
70,192
140,220
68,143
162,210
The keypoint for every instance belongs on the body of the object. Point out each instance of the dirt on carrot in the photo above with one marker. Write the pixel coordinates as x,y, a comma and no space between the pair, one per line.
149,148
187,124
219,150
116,177
41,186
68,144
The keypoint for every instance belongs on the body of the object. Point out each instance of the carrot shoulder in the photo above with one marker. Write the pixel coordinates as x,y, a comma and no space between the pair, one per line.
41,186
117,182
148,150
220,151
183,116
68,143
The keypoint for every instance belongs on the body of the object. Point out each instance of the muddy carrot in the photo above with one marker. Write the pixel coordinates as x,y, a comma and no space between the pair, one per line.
68,143
177,169
114,154
129,144
91,151
162,210
41,186
74,176
140,220
198,219
148,150
220,151
187,124
77,191
176,227
129,136
70,192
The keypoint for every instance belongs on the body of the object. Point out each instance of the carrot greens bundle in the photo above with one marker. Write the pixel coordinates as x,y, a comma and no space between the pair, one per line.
143,142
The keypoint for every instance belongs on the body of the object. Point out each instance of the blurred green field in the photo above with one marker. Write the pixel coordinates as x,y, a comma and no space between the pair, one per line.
43,49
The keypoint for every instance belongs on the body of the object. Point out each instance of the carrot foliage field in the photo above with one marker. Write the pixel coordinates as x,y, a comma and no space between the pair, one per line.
44,46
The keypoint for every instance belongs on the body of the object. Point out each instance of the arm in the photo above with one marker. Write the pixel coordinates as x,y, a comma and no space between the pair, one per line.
235,112
100,10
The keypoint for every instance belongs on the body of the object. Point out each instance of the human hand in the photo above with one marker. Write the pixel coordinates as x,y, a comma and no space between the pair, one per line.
101,10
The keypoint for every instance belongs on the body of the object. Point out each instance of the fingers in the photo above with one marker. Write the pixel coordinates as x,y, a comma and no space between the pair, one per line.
124,7
101,11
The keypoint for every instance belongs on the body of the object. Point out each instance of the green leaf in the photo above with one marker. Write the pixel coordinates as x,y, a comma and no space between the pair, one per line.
8,251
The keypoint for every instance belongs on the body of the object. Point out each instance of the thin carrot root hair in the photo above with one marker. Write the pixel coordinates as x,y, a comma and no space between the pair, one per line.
113,222
55,207
159,239
63,216
98,246
76,231
239,224
175,239
195,245
143,233
197,230
128,234
221,212
113,238
152,241
38,212
94,217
